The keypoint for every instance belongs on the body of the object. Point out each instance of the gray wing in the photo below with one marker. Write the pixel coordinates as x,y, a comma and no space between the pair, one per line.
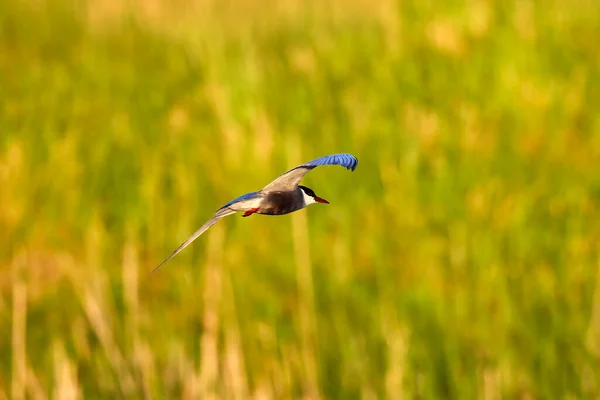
242,203
223,212
291,179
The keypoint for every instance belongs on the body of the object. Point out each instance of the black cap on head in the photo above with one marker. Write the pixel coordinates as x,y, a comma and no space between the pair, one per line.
311,193
308,191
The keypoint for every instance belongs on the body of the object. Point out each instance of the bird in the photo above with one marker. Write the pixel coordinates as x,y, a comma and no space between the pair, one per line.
282,196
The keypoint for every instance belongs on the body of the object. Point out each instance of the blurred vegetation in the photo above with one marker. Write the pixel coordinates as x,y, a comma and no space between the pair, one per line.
461,259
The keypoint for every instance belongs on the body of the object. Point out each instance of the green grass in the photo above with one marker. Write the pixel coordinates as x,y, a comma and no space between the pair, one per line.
460,260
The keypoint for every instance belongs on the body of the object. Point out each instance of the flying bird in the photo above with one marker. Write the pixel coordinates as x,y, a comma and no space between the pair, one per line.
282,196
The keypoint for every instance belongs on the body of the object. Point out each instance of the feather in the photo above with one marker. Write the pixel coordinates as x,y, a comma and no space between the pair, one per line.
291,179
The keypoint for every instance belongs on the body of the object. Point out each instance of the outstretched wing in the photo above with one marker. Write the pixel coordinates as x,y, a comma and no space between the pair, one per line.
242,203
292,178
223,212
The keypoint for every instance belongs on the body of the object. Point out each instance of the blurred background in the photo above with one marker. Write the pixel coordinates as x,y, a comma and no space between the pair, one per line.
460,260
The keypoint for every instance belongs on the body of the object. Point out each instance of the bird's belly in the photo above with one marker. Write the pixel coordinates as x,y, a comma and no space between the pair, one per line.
276,210
279,203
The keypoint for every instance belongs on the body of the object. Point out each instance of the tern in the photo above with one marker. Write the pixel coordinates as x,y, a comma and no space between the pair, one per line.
282,196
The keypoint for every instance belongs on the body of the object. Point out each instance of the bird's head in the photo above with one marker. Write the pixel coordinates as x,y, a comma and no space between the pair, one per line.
310,197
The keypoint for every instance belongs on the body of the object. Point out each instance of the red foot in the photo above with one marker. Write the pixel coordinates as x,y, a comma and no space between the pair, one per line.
250,212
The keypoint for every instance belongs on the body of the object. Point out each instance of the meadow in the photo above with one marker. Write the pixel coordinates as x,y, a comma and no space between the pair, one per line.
461,260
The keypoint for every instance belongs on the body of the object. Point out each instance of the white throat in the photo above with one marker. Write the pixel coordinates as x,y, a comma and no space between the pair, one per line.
308,200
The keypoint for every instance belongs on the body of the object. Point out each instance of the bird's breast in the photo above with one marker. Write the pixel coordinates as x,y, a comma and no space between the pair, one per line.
279,203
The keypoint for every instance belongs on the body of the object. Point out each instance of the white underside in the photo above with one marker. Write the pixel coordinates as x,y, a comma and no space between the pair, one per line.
247,204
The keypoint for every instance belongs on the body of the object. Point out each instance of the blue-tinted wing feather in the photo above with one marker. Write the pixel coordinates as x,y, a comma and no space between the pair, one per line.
344,159
292,178
247,196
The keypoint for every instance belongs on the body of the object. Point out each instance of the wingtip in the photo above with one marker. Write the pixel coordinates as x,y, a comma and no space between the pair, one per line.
156,268
350,162
164,261
354,164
